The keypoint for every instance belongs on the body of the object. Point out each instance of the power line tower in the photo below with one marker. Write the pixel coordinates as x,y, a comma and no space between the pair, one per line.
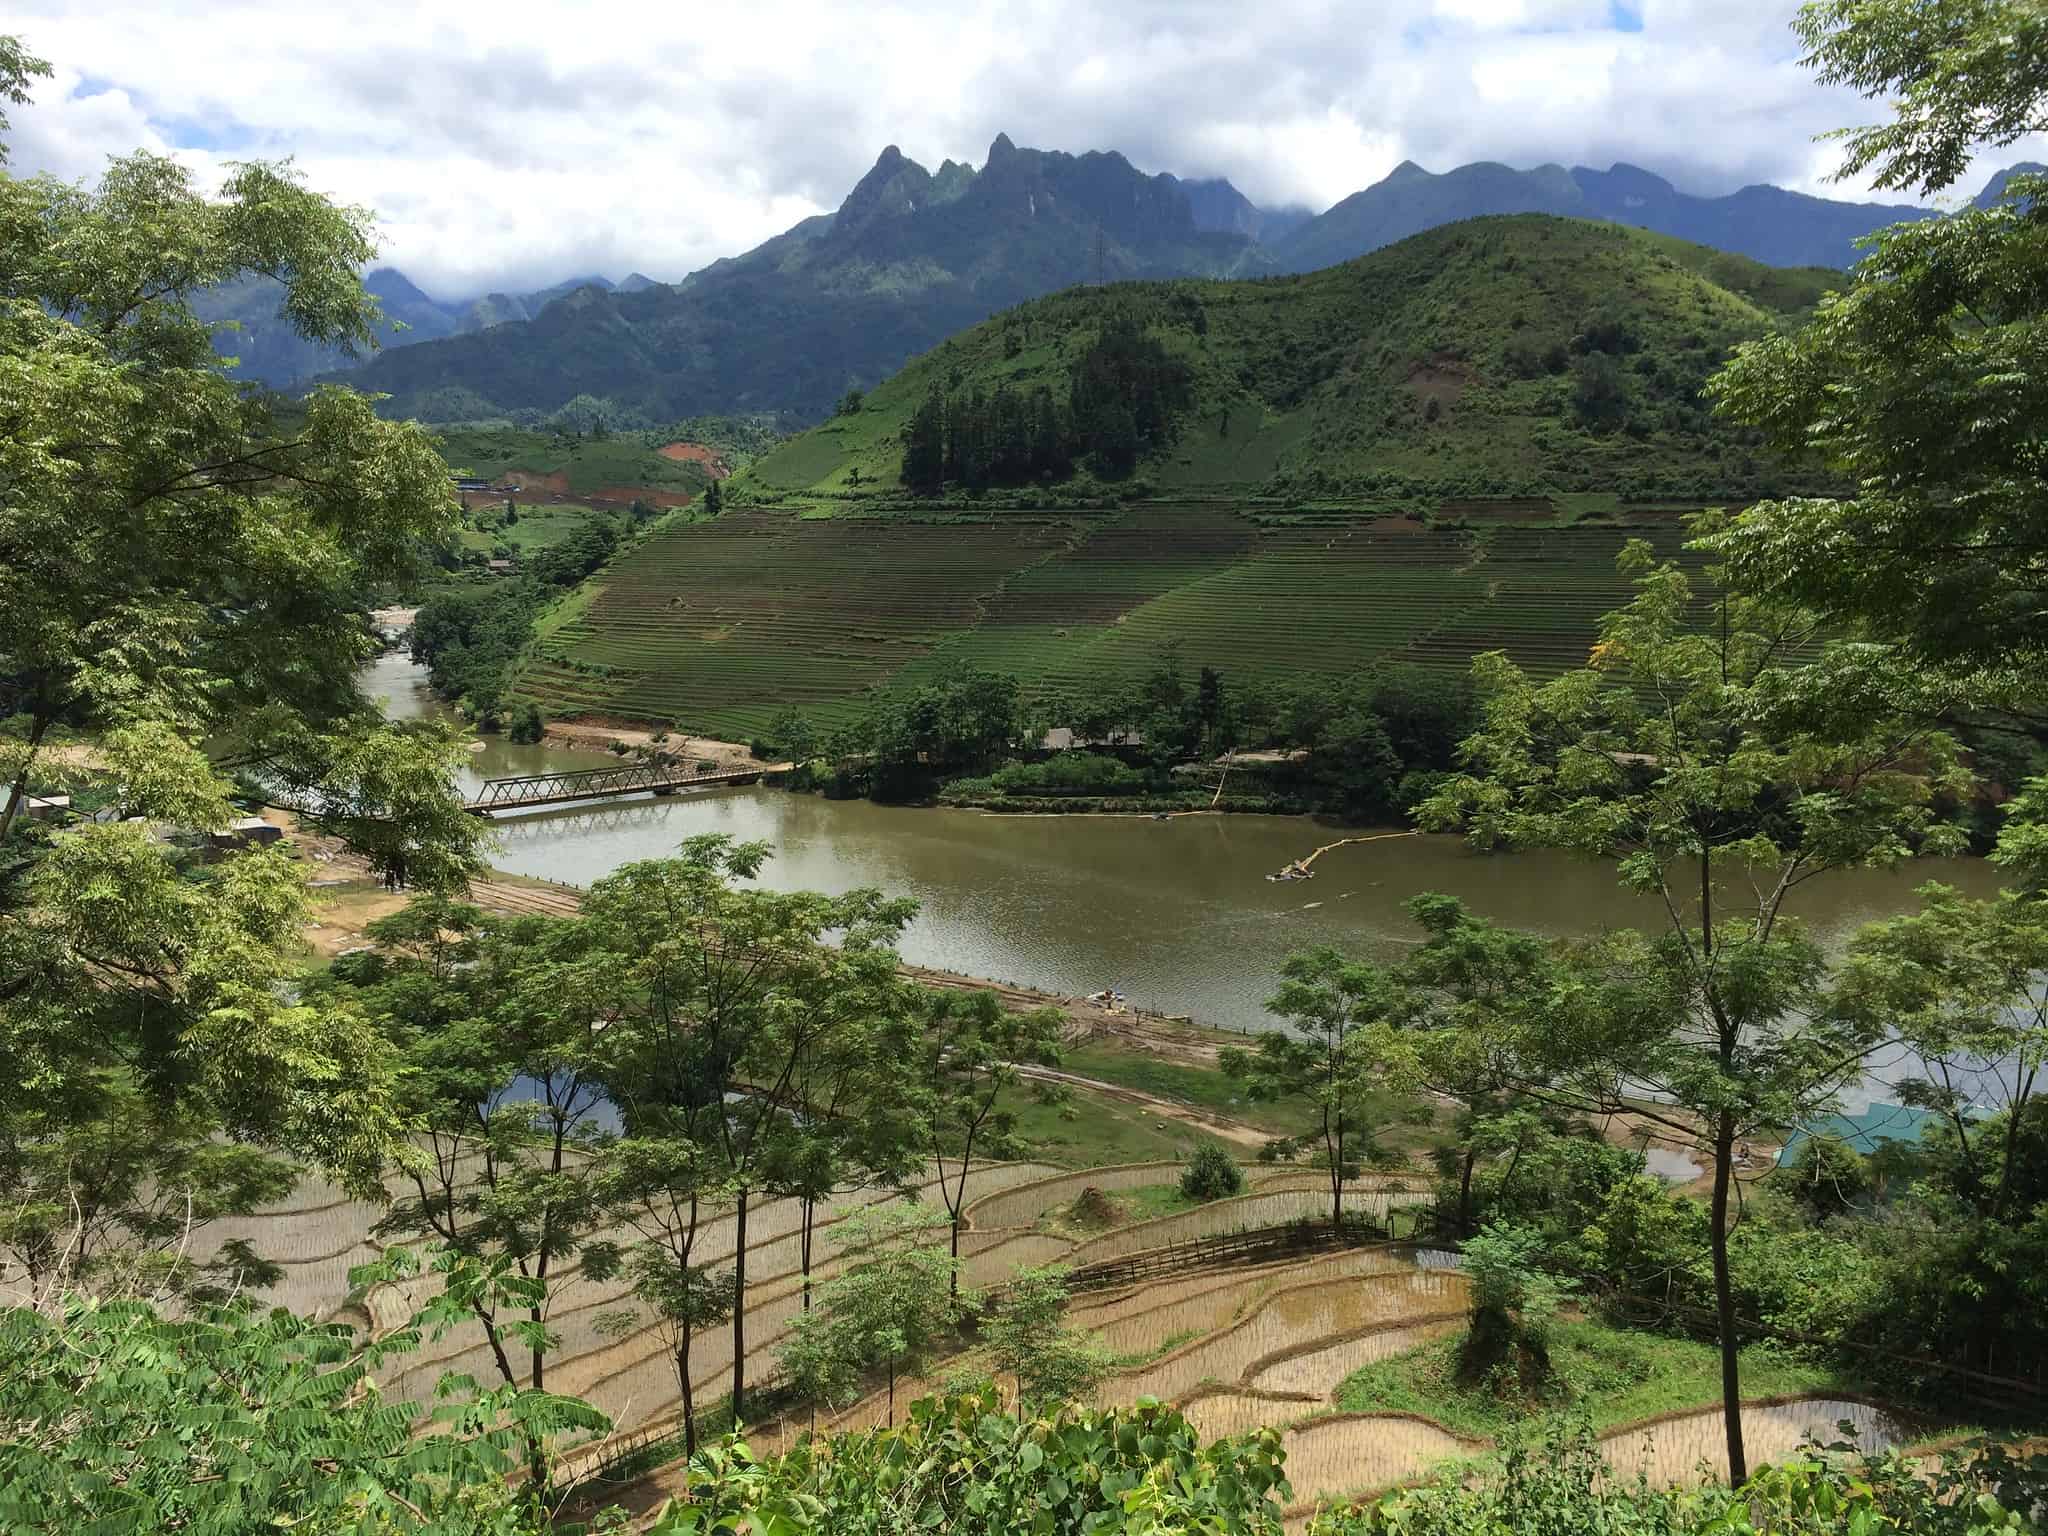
1101,257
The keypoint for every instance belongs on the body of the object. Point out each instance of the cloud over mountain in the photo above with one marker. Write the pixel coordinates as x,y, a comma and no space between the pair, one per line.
505,147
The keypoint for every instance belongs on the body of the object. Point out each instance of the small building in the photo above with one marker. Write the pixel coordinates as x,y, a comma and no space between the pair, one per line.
471,483
501,567
243,832
46,807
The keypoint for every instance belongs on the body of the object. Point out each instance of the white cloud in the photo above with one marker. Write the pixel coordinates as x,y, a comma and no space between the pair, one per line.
513,144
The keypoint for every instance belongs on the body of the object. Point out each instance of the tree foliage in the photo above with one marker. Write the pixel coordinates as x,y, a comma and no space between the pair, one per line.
1716,778
1331,1059
117,1417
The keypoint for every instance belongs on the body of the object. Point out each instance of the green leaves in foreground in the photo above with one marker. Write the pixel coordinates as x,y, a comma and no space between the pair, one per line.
1554,1481
116,1419
961,1464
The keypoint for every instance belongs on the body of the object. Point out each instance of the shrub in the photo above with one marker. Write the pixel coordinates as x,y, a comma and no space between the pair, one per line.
1211,1174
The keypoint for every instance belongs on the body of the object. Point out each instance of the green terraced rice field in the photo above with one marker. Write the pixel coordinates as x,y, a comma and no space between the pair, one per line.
715,627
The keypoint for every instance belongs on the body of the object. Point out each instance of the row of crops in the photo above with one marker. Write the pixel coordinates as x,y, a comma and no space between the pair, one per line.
716,627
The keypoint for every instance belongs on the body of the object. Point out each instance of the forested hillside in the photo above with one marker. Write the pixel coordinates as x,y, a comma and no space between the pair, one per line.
1498,357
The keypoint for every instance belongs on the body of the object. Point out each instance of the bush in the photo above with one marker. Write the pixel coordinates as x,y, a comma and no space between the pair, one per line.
1212,1174
1070,773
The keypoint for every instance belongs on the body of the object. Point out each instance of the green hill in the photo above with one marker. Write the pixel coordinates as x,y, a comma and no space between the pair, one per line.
1509,356
1401,460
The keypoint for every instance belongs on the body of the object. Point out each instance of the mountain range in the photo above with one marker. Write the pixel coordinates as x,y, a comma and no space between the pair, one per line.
270,351
911,256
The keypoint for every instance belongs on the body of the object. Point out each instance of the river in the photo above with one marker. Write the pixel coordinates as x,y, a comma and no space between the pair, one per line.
1178,915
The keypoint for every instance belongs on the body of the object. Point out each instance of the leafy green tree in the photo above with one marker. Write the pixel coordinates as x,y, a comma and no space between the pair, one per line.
730,992
793,735
1514,1302
893,1309
924,446
1918,382
961,1069
1025,1337
1330,1059
501,1028
172,550
658,1187
1473,983
1716,778
113,1205
1211,1174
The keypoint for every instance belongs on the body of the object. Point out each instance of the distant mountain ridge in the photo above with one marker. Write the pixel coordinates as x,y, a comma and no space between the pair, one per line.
271,352
842,300
1764,223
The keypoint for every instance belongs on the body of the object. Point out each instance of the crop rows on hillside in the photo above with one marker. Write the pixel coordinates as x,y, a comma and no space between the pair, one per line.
716,627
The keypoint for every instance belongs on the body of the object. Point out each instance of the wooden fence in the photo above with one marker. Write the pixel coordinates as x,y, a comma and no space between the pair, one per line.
1254,1245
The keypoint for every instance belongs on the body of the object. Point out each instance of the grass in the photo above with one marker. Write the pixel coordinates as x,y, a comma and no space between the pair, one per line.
1091,1131
1201,1087
1615,1375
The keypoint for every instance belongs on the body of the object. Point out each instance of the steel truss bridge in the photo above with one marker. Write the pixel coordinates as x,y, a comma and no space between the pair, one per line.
539,789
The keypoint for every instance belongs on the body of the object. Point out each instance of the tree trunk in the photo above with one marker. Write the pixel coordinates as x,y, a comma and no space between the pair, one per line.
1465,1194
1724,1302
810,1226
17,792
953,1286
739,1308
539,1359
689,1402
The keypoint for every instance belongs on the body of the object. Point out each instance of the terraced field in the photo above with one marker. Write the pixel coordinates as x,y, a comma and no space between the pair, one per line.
715,627
1267,1344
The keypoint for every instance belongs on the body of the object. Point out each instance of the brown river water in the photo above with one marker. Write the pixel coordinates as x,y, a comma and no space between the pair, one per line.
1178,915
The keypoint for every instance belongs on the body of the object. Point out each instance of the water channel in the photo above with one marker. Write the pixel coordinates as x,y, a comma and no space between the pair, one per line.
1178,915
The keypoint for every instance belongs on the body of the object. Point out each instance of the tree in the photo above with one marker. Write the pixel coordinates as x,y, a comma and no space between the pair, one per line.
924,446
961,1067
185,572
1473,983
501,1025
1211,1174
1329,1058
1961,983
792,734
1918,381
892,1309
657,1186
731,991
1700,763
1514,1302
714,497
1024,1335
171,549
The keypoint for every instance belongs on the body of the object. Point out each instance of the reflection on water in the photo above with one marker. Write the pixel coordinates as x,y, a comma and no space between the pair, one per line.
1178,914
1670,1164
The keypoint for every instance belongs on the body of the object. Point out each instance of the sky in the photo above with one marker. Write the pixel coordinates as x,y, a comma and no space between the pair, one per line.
510,145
